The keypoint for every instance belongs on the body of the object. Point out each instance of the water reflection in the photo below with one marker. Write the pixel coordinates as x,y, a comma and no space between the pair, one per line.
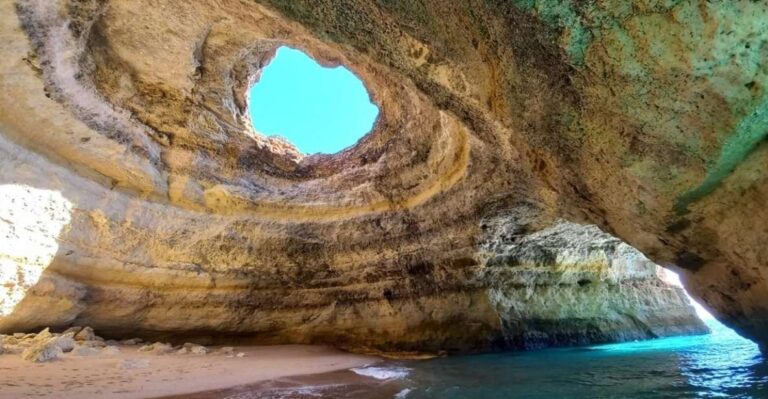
725,366
718,365
721,364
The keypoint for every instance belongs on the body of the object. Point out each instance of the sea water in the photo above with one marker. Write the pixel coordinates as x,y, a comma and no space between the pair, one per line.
718,365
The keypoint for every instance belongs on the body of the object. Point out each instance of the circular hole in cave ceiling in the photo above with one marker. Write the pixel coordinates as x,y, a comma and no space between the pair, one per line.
317,109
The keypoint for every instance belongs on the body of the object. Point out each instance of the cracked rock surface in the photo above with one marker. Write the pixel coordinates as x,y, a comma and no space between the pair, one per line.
138,199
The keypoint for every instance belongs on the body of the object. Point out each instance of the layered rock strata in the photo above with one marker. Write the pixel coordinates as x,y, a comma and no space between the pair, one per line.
138,199
571,284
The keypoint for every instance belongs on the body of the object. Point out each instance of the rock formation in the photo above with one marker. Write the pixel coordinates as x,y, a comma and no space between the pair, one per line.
137,198
46,346
571,284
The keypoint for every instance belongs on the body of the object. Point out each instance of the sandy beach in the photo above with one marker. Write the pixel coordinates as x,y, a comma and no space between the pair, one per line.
134,374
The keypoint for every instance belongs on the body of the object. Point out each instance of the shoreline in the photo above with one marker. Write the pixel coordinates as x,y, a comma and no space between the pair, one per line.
132,374
333,384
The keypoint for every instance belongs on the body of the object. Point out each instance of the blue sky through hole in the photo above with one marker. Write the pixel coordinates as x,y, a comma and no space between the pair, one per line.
316,108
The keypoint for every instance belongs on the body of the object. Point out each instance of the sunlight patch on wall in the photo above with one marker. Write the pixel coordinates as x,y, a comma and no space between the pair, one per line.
31,221
673,278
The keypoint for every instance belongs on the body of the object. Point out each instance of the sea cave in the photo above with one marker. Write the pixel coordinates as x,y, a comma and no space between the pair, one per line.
383,199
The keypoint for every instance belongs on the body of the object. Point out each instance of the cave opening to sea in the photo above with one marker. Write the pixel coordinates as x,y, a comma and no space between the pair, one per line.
719,364
319,109
380,199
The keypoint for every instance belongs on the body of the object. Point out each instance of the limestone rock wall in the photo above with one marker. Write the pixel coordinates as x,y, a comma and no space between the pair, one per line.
522,288
573,284
152,206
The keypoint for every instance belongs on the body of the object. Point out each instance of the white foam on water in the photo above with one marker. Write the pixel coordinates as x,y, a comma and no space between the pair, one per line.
382,373
403,394
314,391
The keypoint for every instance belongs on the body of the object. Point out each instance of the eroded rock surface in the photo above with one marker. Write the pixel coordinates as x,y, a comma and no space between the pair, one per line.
571,284
46,346
137,198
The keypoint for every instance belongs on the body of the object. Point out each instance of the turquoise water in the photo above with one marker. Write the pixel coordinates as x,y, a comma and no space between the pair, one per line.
719,365
318,109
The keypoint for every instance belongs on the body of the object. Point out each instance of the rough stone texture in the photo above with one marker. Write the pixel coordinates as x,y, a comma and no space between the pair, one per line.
571,284
45,347
66,343
193,349
138,199
42,351
86,334
40,347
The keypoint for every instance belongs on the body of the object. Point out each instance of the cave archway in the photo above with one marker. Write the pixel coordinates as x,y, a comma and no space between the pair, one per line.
517,104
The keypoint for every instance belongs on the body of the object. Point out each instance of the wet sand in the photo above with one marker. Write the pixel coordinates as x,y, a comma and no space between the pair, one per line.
133,374
342,384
